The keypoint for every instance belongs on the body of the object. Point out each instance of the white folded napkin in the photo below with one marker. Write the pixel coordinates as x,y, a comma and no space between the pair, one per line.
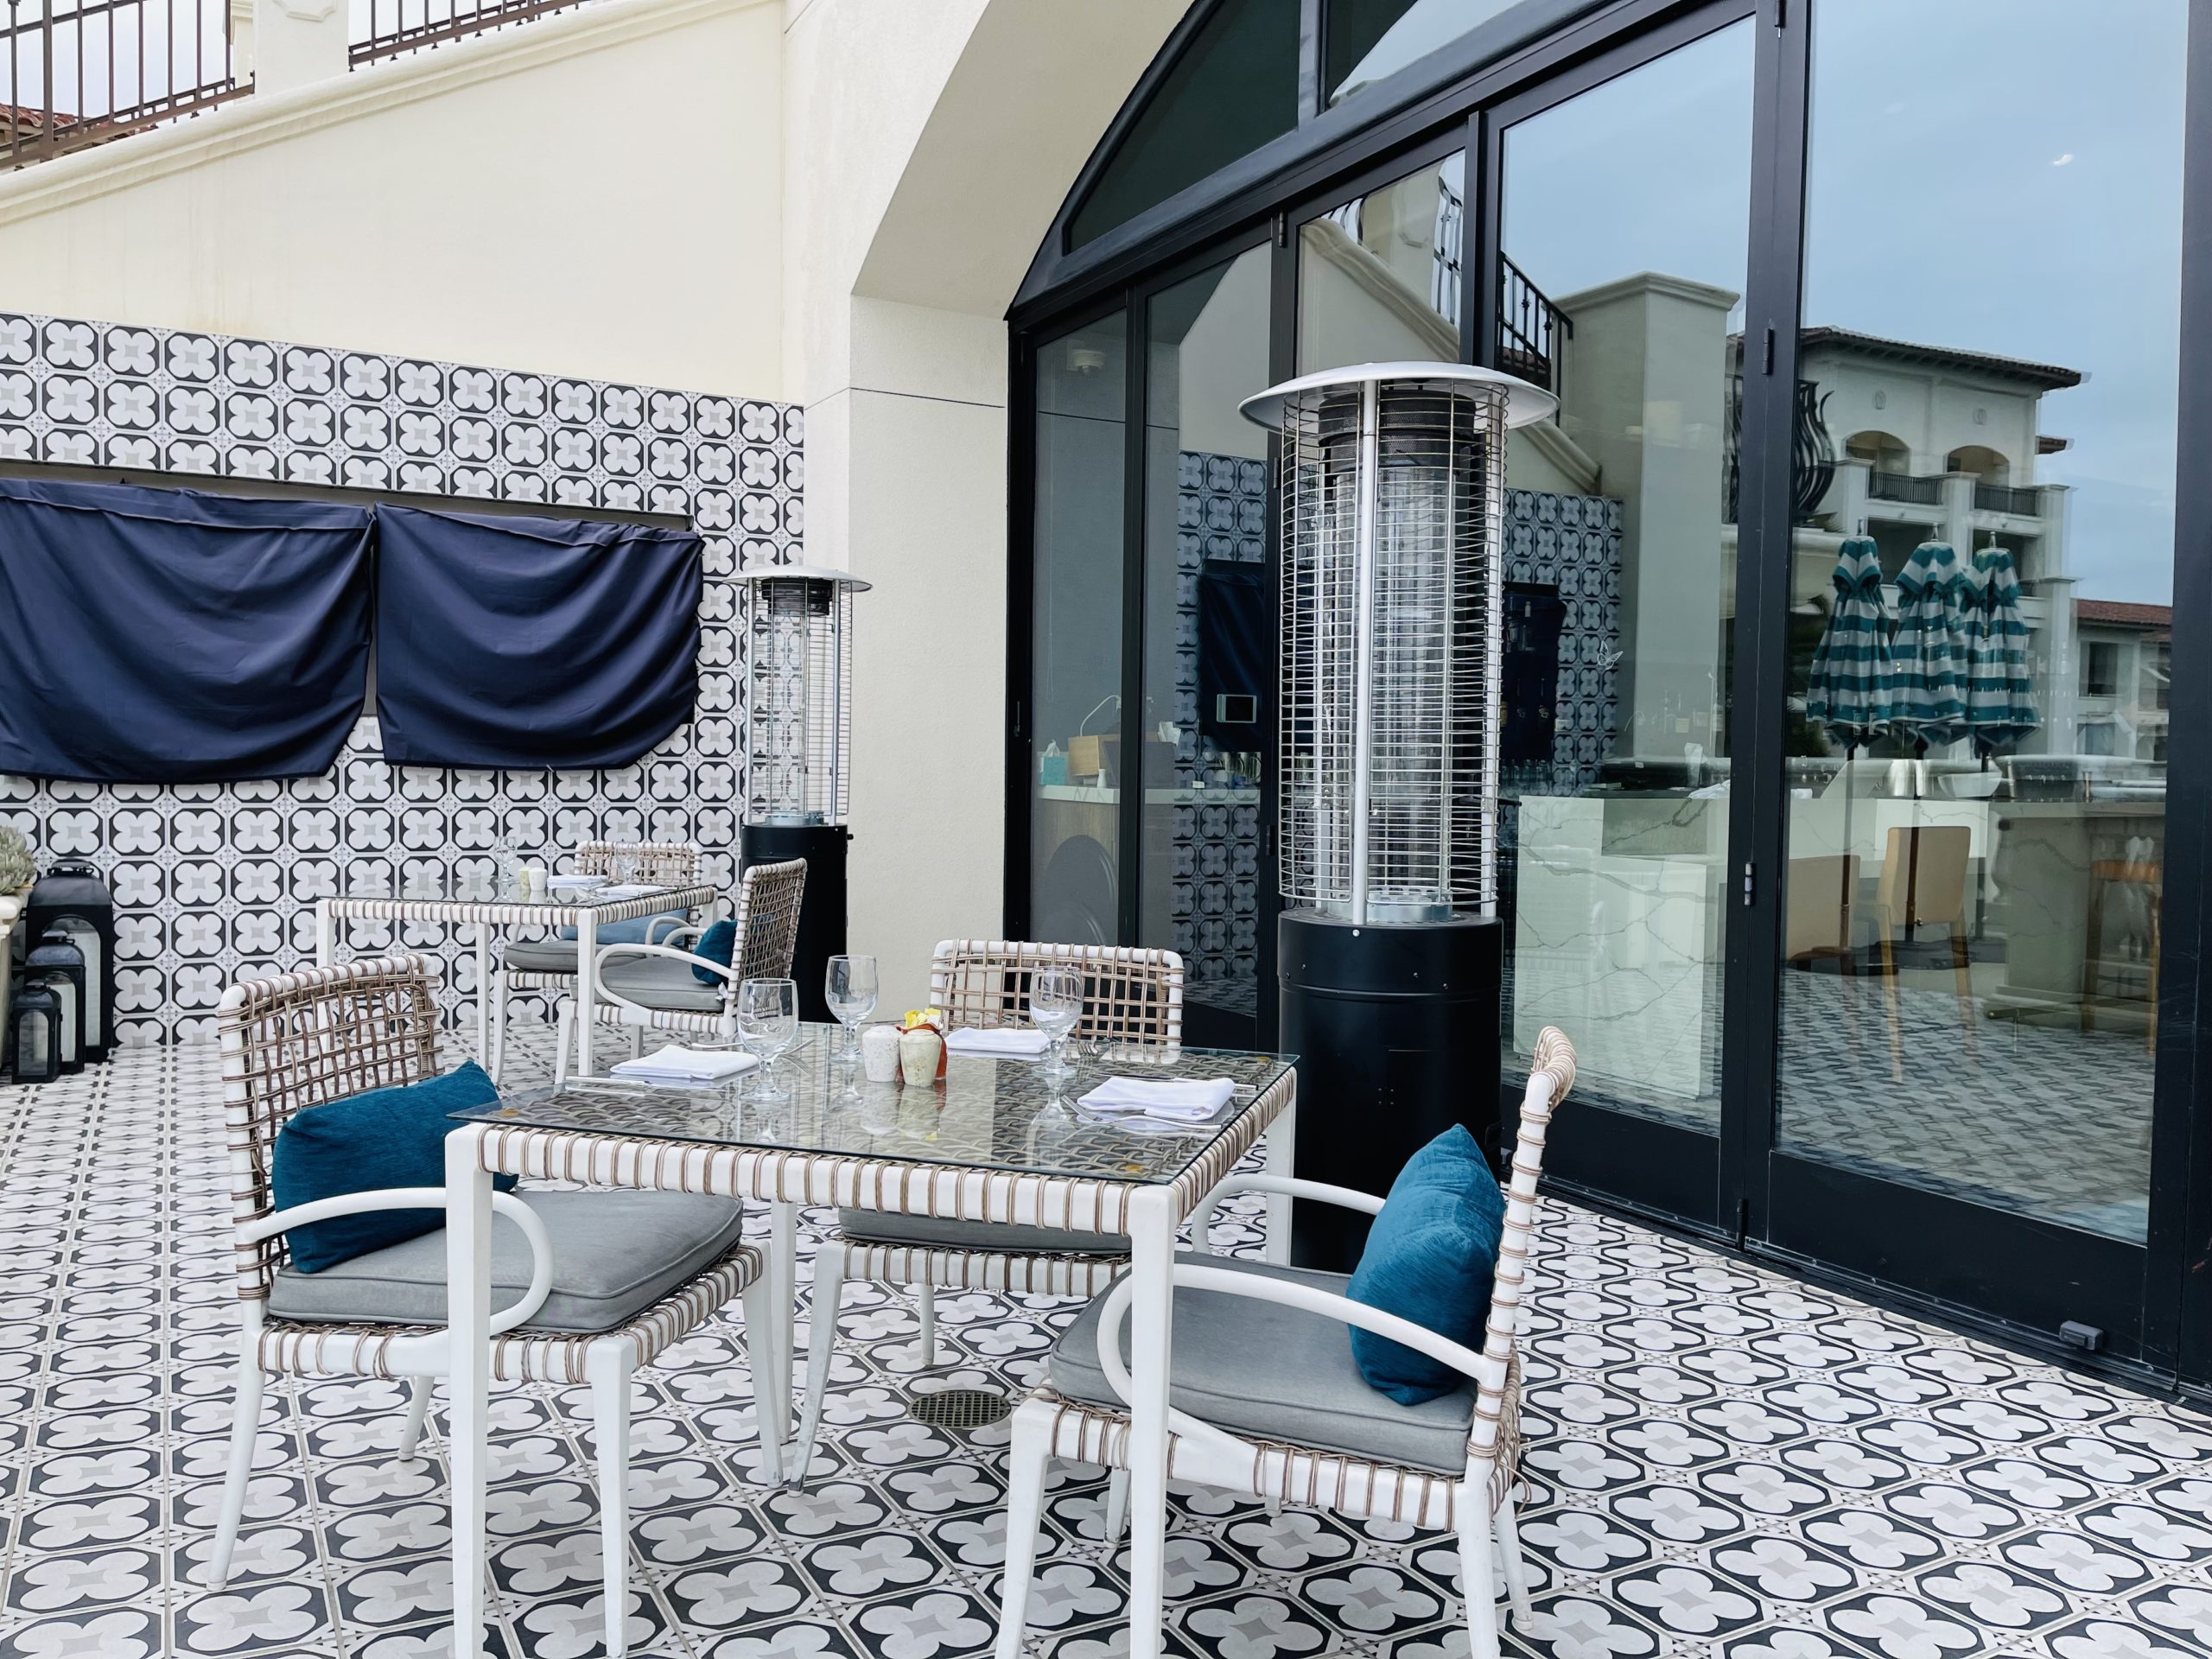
677,1064
615,895
1016,1042
576,881
1163,1100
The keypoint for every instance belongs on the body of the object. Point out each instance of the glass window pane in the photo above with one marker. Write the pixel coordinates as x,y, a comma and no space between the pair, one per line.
1367,41
1209,648
1234,87
1625,214
1075,734
1987,444
1378,278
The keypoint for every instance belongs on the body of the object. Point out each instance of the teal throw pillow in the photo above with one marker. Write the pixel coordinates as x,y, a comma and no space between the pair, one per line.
715,944
1431,1257
388,1137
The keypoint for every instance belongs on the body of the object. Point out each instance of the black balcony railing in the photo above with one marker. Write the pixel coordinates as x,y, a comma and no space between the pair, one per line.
1529,328
1903,486
2004,498
1811,453
394,27
79,72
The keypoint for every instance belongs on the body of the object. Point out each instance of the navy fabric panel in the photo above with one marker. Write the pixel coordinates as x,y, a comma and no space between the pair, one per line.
168,636
530,642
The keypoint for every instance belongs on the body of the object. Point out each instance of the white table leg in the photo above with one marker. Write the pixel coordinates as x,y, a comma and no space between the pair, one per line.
326,934
1281,1152
484,994
469,1281
783,1270
587,946
1151,1261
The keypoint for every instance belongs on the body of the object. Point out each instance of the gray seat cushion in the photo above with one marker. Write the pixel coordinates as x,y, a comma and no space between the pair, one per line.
940,1233
540,957
1276,1372
614,1256
661,982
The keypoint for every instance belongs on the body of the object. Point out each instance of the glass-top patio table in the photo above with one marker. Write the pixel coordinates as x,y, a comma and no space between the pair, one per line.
995,1141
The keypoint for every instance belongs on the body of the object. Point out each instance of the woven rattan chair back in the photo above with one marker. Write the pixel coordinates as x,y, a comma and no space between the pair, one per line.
1129,995
669,863
299,1039
768,897
1497,1407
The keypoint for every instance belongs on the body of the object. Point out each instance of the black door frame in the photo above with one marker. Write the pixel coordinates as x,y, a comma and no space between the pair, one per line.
1742,1192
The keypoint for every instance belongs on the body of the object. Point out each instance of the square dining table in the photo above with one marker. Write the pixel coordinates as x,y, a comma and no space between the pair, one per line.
995,1140
446,898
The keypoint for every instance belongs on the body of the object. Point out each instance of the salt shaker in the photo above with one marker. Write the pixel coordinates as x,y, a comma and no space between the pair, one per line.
920,1050
879,1054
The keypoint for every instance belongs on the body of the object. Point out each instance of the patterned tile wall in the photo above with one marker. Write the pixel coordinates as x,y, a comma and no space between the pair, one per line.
215,881
1572,543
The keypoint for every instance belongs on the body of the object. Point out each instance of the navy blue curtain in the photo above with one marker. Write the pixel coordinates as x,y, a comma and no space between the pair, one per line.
168,636
530,642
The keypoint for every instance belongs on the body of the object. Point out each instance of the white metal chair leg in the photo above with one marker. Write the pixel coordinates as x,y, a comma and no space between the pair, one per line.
566,1026
637,1041
1117,1504
761,1317
418,1408
1522,1612
1026,1455
245,1426
929,1326
822,1345
1474,1574
608,1365
495,990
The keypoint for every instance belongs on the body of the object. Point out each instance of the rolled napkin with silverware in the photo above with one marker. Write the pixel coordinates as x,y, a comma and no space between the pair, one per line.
1163,1100
998,1042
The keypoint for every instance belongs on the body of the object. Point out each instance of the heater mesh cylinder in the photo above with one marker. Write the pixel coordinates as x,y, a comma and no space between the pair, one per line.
1392,621
798,697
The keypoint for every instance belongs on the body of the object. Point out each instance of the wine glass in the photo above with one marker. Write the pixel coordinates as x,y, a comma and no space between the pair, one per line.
850,990
1055,1005
767,1018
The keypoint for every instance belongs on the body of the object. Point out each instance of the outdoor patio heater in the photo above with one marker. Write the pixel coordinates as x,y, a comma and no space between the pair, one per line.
799,744
1393,486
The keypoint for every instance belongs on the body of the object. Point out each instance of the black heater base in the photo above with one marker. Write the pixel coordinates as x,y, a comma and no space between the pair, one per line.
821,913
1395,1030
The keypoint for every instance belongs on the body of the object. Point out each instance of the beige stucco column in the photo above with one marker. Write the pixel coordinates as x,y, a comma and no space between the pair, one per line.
296,43
927,148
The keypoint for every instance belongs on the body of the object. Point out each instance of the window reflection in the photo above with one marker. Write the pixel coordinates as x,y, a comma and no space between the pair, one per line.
1368,40
1974,960
1379,279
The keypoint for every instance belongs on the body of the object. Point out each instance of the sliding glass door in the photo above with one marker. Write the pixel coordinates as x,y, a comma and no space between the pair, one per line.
1982,626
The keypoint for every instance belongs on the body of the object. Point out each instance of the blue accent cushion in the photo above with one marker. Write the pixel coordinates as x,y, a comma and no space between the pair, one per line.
1430,1257
388,1137
630,932
715,944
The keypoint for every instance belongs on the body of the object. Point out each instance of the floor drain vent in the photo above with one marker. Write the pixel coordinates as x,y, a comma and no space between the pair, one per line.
962,1408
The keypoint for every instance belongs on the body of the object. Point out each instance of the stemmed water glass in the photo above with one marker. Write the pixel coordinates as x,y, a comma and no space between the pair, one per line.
850,990
767,1018
1055,1005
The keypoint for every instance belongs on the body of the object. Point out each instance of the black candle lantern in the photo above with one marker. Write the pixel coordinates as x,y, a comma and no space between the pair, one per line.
72,896
34,1033
59,965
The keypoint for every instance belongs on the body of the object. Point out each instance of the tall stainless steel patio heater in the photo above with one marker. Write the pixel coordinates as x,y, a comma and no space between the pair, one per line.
799,744
1393,485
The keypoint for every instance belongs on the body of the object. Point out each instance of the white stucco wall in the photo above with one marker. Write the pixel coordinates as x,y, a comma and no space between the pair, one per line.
597,193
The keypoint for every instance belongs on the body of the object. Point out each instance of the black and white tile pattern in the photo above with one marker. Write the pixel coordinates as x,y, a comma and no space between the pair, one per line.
215,881
1724,1465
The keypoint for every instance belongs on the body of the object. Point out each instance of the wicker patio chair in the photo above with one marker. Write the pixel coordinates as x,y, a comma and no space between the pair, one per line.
652,986
1130,996
626,1281
1265,1398
550,963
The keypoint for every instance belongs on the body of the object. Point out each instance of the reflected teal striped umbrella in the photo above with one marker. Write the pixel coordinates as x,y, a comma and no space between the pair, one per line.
1928,654
2001,697
1849,693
